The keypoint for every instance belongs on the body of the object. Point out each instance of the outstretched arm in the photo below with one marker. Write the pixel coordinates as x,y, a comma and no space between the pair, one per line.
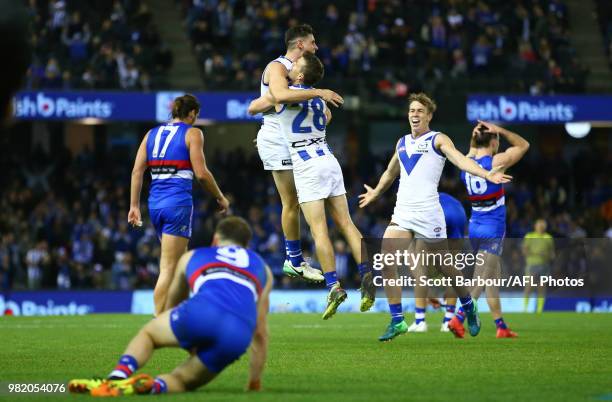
259,344
140,165
444,144
385,181
195,143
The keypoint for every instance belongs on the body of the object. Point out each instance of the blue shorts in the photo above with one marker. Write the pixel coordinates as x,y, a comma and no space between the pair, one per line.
219,337
455,227
487,236
173,221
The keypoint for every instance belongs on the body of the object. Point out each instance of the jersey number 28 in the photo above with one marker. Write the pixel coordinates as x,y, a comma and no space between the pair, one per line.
318,117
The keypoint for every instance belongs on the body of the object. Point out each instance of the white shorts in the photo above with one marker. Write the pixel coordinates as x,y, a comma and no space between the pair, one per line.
273,149
318,178
428,224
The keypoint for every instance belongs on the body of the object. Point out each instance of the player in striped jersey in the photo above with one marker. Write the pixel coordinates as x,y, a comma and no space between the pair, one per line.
273,149
174,154
226,312
487,226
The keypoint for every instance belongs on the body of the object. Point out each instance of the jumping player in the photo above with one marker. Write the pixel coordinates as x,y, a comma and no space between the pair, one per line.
419,159
273,149
318,180
174,153
226,313
487,226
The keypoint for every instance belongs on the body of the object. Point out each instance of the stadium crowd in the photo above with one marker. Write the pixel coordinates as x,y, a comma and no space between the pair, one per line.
96,44
394,46
604,14
64,219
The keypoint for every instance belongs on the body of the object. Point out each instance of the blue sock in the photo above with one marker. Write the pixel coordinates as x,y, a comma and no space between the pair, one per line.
419,315
460,315
331,278
159,386
294,252
450,312
467,303
396,313
500,324
363,269
125,367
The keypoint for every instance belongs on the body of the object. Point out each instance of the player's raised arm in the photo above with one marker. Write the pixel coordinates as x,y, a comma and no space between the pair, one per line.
385,181
140,165
279,89
259,344
195,143
179,289
518,146
446,146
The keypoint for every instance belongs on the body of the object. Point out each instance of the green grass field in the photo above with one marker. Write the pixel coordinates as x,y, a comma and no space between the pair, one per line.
558,357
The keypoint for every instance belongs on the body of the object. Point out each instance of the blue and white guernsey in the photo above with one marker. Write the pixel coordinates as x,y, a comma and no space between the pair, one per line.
170,164
269,118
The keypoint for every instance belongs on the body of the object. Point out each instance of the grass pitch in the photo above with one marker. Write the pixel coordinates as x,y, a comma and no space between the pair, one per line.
558,357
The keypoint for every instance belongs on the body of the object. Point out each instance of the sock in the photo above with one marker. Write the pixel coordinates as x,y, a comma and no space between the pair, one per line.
541,301
525,304
363,269
396,313
450,312
125,367
331,278
460,315
294,252
159,386
419,315
467,303
500,324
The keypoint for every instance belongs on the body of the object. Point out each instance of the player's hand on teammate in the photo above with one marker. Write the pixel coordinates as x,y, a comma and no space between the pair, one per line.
330,96
134,217
368,197
223,204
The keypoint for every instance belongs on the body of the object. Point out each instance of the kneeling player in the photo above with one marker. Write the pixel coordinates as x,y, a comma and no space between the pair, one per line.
318,180
227,312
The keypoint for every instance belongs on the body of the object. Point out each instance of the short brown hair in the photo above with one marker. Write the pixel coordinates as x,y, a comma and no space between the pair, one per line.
183,105
483,137
236,229
424,100
313,69
297,32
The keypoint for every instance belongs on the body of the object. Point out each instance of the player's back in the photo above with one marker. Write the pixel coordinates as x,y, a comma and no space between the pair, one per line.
170,164
231,277
487,198
421,166
303,124
454,214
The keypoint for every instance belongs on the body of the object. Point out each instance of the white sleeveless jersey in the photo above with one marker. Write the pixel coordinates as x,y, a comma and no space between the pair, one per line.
269,118
421,166
303,125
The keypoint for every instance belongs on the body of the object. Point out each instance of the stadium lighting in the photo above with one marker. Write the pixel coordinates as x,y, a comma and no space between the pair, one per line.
578,129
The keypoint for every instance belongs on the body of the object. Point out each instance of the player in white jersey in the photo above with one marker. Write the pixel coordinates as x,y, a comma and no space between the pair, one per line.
318,179
273,150
419,159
